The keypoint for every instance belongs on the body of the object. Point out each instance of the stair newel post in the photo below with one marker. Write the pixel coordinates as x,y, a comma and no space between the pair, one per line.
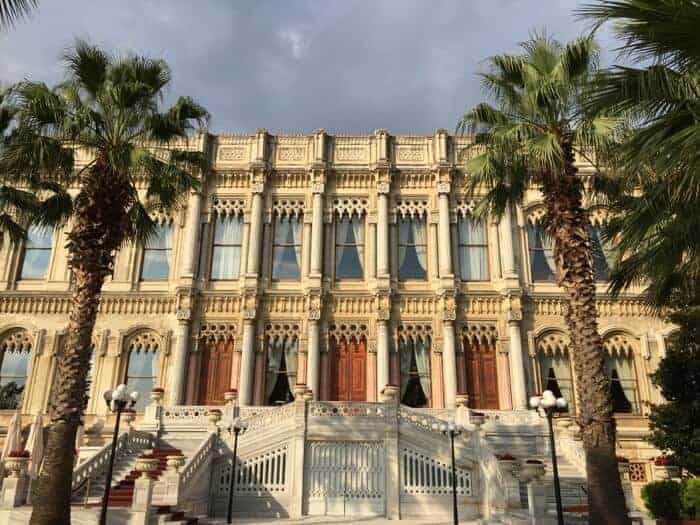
118,400
390,397
296,465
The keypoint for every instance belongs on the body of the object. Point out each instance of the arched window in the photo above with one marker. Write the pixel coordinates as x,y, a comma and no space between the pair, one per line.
414,355
281,373
15,350
286,250
555,366
619,364
226,254
349,247
37,253
540,247
142,368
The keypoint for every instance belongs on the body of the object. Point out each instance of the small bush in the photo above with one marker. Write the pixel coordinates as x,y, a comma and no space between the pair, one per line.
690,498
663,499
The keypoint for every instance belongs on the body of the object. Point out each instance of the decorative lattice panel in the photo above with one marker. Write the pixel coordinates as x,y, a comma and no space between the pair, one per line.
638,473
424,475
265,472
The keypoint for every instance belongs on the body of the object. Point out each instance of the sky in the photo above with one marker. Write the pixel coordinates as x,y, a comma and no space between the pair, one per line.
348,66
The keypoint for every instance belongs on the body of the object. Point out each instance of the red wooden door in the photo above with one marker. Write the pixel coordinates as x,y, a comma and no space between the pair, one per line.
482,378
349,376
215,375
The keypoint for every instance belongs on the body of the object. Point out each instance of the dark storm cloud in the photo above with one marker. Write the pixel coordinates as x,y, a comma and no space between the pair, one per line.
408,66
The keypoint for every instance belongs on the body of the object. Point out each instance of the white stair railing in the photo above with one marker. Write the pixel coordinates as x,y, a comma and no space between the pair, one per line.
97,463
199,460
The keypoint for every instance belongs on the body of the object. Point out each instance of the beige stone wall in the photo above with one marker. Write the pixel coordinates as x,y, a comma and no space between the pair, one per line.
320,176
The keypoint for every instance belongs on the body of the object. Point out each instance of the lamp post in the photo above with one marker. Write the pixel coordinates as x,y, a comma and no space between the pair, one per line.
118,400
451,430
237,426
550,405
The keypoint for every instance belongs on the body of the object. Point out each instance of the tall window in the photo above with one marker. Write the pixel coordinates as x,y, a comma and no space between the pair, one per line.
413,248
286,251
156,254
37,253
226,255
349,247
281,369
601,269
542,265
415,372
473,250
141,373
623,383
555,370
14,356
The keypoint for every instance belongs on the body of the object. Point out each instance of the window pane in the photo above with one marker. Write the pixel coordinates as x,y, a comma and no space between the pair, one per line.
35,264
542,264
412,248
141,375
473,261
623,383
601,270
39,237
556,376
156,265
286,253
143,386
349,250
471,231
225,262
14,367
161,238
228,230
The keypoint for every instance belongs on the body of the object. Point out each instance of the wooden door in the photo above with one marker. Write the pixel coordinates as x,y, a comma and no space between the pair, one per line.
349,377
482,378
215,374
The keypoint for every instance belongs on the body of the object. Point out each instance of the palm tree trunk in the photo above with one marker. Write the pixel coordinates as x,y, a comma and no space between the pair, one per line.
97,233
573,253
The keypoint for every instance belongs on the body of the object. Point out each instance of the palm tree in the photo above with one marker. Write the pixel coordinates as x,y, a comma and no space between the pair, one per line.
108,107
530,139
657,225
13,10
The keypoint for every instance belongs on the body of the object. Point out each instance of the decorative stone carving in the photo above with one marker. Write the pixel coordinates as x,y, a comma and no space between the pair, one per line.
318,187
383,306
449,307
257,187
410,153
351,154
464,208
282,329
620,343
412,207
414,332
213,331
515,316
553,342
349,331
227,207
291,153
314,305
16,340
183,314
250,303
536,215
443,187
288,207
480,333
144,340
232,154
350,206
383,187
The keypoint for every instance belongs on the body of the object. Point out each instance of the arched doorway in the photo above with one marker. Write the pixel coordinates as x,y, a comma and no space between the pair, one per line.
215,374
348,369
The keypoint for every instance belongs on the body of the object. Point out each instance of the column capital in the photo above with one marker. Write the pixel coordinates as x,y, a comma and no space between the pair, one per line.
256,188
183,315
444,188
314,304
383,188
318,189
514,316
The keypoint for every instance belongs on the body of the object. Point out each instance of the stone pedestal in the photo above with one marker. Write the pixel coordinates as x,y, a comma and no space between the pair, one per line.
141,506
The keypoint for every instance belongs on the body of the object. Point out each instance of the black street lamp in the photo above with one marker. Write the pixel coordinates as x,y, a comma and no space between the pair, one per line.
451,430
237,427
550,405
118,400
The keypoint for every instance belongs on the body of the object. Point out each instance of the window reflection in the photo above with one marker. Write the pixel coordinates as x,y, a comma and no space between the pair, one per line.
473,250
226,255
286,251
141,374
37,253
349,247
156,254
540,246
412,248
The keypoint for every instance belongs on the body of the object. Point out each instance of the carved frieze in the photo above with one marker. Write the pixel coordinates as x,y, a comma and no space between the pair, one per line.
348,331
217,331
232,154
412,207
413,332
350,206
16,340
227,207
383,305
288,207
411,153
479,333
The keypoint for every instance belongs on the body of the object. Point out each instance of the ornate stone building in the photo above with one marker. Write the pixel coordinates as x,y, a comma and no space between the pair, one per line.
342,263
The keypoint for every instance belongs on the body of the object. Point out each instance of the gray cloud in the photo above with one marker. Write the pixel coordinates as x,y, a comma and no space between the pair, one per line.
352,65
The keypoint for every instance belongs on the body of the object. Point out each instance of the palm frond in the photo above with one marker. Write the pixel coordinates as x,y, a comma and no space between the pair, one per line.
13,10
88,65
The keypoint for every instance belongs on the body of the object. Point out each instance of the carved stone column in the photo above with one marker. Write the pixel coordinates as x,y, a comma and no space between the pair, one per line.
317,230
517,368
371,257
306,248
313,363
245,391
449,364
191,235
382,354
383,230
445,250
177,388
256,224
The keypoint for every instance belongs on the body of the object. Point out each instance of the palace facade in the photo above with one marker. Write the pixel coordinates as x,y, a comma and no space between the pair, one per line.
343,263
